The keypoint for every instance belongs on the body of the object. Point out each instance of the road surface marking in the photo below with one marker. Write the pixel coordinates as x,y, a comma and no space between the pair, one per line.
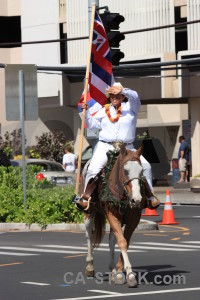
175,239
176,227
62,247
35,283
11,264
84,248
196,216
17,253
191,242
186,233
159,248
137,247
167,244
74,256
154,234
41,250
105,292
133,294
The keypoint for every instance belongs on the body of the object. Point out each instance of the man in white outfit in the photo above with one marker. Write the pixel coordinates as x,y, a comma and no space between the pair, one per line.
116,122
69,160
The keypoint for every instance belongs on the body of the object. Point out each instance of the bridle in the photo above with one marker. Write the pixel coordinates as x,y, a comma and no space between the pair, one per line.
126,182
114,189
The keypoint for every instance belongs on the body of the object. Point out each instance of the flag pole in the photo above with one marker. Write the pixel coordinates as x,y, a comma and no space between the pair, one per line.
85,99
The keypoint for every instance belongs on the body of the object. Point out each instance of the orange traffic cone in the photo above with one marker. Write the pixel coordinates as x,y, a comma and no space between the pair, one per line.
150,212
168,214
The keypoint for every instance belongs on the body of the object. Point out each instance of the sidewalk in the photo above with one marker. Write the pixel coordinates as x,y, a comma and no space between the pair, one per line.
179,195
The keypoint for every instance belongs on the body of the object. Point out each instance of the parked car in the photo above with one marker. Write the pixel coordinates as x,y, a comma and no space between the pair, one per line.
155,154
51,170
153,151
86,155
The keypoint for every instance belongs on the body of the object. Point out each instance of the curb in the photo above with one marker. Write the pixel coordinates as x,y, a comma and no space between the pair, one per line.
23,227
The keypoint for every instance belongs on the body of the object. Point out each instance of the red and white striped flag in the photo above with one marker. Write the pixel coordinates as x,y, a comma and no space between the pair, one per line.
101,76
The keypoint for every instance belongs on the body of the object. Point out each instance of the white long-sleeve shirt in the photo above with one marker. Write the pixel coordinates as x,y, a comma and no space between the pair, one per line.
122,130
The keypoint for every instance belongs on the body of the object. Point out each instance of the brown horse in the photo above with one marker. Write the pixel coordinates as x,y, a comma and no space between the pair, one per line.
122,203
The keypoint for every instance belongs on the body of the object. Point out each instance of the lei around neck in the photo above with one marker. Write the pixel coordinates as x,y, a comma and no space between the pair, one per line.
119,112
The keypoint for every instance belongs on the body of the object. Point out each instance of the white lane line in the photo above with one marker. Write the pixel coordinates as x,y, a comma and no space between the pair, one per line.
191,242
159,248
105,292
62,247
17,253
117,250
196,216
35,283
82,248
171,245
133,294
40,250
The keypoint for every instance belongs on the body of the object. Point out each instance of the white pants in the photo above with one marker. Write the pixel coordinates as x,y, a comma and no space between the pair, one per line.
100,159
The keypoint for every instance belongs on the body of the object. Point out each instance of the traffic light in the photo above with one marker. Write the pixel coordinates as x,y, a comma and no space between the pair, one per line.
111,23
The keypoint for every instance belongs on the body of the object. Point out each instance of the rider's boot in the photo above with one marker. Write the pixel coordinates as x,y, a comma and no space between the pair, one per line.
152,200
83,203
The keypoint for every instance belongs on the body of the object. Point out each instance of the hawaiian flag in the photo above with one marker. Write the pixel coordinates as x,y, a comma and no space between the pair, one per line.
101,76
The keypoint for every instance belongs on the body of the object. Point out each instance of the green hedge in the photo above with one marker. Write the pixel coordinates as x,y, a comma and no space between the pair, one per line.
46,203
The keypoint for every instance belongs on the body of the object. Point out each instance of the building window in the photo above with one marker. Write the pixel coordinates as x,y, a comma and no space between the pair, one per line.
180,32
10,30
63,46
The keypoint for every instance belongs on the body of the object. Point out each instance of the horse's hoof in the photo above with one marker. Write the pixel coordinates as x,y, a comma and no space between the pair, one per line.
131,280
89,273
119,278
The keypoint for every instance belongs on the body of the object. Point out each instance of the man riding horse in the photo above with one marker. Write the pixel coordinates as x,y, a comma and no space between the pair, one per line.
116,122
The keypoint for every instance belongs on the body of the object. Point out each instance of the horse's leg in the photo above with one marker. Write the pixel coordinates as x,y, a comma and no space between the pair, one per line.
132,222
112,242
123,245
89,222
117,230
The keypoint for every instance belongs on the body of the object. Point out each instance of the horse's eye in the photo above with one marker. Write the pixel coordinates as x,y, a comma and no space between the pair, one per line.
126,172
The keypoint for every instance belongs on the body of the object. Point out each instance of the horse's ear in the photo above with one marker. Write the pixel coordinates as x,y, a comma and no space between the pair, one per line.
123,150
140,150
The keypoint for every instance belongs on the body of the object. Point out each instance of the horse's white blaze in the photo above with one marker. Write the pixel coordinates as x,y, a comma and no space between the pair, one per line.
134,170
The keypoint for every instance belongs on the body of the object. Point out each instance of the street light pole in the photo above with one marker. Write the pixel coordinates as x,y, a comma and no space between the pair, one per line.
22,117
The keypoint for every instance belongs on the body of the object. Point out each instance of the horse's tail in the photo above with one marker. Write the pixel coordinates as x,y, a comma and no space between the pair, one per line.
99,228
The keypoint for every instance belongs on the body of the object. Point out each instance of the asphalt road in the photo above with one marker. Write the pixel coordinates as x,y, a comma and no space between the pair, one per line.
51,265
